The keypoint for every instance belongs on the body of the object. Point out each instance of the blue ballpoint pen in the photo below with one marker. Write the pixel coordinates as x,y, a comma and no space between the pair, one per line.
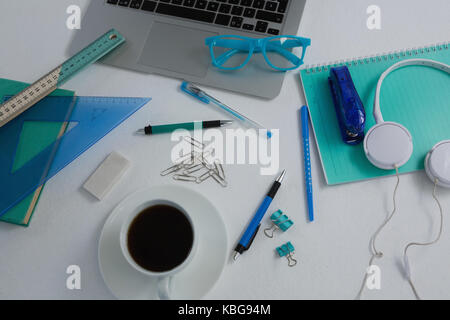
308,178
252,230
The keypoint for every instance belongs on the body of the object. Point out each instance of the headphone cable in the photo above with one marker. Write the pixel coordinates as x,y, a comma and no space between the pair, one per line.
405,253
375,252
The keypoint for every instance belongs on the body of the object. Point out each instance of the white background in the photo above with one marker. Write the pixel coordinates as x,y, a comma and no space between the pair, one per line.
333,252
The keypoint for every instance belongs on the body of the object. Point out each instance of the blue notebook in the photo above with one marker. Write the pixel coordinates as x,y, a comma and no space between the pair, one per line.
417,97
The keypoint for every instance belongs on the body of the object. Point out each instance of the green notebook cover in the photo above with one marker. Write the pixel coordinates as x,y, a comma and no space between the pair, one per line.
34,138
417,97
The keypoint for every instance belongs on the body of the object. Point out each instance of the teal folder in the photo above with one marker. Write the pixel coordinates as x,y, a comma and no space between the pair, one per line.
417,97
34,138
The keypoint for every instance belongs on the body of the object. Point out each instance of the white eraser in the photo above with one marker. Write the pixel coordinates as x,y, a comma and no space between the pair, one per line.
106,175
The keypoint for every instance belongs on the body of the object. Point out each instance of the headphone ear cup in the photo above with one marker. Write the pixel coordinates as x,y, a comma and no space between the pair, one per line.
388,145
437,164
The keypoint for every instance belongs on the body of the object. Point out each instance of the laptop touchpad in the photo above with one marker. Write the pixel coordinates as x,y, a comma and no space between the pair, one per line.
177,49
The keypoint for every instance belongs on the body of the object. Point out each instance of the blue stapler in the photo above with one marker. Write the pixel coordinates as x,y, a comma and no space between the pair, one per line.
348,105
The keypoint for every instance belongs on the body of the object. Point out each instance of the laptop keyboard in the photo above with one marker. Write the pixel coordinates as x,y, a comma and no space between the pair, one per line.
261,16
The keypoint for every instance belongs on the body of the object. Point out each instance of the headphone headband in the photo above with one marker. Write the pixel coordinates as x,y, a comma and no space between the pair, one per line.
389,145
412,62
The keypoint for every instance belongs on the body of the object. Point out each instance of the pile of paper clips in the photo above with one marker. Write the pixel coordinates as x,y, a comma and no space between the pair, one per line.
197,166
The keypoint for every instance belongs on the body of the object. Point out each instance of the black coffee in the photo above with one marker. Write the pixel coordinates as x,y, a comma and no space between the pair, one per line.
160,238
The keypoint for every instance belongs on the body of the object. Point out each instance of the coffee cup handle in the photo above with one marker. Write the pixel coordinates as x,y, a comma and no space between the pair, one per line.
164,288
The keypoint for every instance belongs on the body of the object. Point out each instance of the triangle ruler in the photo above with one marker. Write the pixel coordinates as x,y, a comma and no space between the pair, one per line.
86,119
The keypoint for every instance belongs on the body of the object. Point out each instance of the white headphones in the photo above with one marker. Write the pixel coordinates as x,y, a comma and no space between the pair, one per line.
389,145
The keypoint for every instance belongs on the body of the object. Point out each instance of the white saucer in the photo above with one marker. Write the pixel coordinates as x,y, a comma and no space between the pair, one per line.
191,283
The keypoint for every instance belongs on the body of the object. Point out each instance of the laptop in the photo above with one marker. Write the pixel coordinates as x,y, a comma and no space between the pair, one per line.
167,37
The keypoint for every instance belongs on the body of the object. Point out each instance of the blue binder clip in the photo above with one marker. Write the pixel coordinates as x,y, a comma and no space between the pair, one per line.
348,105
280,222
287,250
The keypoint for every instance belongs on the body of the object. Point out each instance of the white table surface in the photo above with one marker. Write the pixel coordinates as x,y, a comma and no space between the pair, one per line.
333,252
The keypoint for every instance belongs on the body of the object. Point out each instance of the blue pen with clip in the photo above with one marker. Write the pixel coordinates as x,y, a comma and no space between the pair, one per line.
250,234
308,179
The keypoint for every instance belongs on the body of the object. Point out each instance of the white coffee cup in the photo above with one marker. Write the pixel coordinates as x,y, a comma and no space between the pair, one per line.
164,278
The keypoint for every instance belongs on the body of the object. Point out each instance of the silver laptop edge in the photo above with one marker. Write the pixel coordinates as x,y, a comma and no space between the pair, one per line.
175,47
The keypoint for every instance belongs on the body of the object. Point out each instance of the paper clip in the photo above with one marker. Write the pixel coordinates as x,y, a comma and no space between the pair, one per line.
186,159
280,222
218,179
204,177
201,163
172,169
183,177
219,169
194,143
206,163
192,169
287,250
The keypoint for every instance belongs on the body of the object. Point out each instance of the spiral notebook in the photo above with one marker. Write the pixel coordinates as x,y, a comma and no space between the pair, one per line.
417,97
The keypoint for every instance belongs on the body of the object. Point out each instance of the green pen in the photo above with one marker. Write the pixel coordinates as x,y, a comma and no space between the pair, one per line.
168,128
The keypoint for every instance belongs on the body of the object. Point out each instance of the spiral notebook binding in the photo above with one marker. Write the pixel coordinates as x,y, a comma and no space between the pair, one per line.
392,55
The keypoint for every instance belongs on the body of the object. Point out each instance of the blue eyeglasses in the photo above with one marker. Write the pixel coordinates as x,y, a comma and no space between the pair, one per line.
282,53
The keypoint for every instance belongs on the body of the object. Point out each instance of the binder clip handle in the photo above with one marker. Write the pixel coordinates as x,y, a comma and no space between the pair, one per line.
269,232
287,250
291,261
